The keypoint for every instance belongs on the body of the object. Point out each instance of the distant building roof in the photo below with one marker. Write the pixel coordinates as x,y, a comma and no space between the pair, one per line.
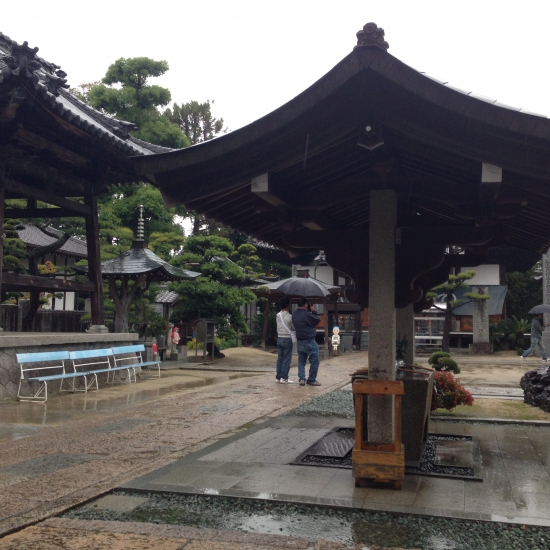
33,237
138,260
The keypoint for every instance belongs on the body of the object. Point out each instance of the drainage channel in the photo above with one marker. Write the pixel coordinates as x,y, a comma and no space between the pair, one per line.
311,522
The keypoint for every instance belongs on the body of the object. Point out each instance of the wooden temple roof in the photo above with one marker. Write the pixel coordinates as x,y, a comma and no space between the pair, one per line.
52,143
305,170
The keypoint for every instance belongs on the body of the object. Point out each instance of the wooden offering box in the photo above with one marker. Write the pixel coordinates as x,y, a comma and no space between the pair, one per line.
377,464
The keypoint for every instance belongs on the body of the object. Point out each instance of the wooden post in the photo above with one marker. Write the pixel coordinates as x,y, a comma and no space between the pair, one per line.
266,316
2,204
327,347
94,264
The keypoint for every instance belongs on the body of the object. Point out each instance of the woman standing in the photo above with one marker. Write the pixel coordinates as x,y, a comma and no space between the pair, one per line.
285,337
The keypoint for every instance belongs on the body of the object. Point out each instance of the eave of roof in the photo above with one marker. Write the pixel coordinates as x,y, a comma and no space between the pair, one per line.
439,134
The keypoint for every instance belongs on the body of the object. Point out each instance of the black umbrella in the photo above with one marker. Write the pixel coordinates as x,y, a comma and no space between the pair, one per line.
541,308
304,287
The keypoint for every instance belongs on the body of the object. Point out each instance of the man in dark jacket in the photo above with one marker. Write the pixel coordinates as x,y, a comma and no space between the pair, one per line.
305,319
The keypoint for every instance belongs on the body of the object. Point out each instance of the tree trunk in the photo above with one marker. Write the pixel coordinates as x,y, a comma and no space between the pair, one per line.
123,299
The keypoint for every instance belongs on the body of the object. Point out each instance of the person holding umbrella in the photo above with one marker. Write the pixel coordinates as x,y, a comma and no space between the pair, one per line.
536,338
305,319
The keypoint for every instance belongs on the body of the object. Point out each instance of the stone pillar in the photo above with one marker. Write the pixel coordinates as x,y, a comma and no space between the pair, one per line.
481,345
383,221
2,202
545,300
405,329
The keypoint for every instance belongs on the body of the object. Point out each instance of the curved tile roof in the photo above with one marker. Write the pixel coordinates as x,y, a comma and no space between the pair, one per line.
138,260
33,237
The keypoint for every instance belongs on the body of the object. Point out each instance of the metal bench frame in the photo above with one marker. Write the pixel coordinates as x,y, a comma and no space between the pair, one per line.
97,361
29,362
136,361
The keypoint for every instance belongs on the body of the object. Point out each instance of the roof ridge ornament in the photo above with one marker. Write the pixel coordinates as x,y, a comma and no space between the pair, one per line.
371,36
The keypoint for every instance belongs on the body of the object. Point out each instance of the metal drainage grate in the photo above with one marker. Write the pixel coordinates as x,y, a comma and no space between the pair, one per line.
445,455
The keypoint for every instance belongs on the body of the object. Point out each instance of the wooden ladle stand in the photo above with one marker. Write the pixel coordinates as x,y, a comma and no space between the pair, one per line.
377,464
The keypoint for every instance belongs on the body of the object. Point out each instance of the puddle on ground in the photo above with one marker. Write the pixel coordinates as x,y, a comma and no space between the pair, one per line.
313,523
62,407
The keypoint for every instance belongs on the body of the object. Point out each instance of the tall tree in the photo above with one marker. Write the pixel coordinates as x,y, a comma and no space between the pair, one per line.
125,92
198,124
209,296
196,120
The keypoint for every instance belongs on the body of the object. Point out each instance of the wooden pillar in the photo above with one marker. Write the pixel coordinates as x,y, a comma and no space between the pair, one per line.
2,203
266,318
94,265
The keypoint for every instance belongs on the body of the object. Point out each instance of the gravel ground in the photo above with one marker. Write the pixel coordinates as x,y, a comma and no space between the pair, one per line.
337,403
345,526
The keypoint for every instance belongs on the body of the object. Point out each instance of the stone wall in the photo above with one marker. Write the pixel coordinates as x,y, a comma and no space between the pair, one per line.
32,342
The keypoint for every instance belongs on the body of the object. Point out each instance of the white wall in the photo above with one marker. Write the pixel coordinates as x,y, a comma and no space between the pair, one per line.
487,274
322,273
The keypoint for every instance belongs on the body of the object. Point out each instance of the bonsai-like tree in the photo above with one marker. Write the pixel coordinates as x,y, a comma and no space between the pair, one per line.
454,282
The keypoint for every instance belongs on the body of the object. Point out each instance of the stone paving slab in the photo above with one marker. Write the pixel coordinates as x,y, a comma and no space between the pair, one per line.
253,464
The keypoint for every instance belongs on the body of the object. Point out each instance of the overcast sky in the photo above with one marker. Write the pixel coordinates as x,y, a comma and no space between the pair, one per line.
252,56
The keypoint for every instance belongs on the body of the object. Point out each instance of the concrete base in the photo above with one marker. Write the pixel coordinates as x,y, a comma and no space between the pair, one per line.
484,348
97,329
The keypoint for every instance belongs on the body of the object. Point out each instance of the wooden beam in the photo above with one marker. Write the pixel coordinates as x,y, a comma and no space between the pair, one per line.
31,213
21,283
37,142
262,186
35,170
49,198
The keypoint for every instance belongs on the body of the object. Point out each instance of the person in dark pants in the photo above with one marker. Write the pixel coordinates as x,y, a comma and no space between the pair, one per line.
305,319
285,329
536,339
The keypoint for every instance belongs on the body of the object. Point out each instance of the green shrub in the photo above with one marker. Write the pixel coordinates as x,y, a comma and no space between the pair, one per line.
441,361
436,356
447,364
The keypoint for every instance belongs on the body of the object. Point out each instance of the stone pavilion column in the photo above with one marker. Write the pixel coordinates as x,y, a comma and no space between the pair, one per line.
383,221
405,329
2,202
481,344
545,300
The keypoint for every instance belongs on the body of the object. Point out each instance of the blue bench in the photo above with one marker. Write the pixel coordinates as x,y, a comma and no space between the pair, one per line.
85,365
98,361
135,360
46,367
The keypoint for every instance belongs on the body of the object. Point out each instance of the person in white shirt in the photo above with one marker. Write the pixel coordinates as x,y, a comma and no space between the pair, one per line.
285,328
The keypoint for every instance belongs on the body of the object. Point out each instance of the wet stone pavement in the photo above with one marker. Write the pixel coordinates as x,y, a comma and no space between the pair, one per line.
224,434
